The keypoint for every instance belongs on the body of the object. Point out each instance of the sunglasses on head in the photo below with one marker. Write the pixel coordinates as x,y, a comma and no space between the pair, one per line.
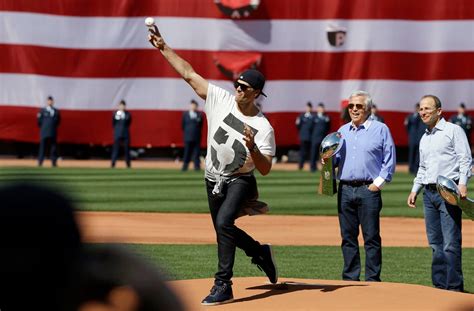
358,106
243,87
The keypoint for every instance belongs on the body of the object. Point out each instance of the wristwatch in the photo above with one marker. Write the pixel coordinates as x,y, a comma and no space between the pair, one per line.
254,148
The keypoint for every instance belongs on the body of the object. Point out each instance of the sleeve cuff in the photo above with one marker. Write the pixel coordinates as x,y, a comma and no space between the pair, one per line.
463,180
379,182
416,188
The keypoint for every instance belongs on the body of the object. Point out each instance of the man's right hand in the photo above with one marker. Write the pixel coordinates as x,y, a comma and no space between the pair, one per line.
155,38
411,200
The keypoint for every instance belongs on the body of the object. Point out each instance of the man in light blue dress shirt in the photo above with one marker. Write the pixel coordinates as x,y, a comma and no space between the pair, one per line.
366,162
444,150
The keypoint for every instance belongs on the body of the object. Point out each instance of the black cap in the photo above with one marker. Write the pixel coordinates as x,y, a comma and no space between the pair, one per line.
462,105
255,78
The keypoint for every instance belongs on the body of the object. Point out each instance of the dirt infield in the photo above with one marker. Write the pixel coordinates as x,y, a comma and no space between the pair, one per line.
293,294
12,162
303,294
255,293
159,228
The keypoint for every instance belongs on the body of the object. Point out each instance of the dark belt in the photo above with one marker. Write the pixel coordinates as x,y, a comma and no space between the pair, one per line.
356,183
432,187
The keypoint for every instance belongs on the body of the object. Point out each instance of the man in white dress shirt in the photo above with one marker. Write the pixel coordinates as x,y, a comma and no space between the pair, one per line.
444,150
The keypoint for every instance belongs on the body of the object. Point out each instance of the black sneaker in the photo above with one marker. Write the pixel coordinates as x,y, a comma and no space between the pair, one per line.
266,263
220,293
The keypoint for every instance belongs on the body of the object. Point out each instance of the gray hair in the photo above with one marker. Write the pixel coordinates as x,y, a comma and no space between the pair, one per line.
368,99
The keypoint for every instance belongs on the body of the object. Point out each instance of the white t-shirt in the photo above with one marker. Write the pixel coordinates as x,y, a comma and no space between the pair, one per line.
227,154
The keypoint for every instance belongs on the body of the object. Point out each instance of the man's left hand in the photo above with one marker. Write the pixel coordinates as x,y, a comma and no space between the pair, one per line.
462,191
373,188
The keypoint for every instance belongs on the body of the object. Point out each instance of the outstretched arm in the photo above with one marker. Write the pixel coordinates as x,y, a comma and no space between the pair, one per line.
198,83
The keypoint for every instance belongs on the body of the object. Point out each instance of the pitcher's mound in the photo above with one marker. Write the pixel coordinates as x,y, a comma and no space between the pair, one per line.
302,294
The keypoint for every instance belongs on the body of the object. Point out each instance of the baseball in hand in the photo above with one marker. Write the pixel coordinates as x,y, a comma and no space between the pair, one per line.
149,21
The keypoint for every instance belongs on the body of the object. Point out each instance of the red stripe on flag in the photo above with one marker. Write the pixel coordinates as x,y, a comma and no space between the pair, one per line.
276,65
275,9
95,127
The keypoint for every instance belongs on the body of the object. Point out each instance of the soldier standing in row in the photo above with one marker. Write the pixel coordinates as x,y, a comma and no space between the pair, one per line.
121,121
415,128
463,120
304,124
321,127
48,122
191,124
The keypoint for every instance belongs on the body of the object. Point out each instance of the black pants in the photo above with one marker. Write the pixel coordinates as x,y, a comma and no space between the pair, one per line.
413,158
314,154
305,150
116,149
224,211
42,150
360,206
192,151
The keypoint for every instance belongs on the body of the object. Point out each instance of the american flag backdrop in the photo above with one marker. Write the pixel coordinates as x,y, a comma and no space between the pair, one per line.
90,54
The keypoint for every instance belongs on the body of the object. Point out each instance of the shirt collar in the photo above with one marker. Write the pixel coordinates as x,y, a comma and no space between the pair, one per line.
439,126
364,125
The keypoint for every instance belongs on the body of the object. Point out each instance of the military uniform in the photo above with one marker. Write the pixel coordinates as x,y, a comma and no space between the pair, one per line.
377,117
321,127
48,122
304,123
192,126
465,122
121,121
415,128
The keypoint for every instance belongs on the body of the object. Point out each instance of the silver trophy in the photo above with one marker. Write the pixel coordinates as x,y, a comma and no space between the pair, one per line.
449,191
330,145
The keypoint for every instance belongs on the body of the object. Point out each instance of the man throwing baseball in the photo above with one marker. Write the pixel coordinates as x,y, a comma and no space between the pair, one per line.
239,140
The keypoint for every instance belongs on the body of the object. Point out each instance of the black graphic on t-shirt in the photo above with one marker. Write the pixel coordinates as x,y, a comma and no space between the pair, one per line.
231,152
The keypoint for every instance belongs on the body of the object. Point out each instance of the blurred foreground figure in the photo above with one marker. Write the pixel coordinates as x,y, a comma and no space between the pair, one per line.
39,246
44,265
114,279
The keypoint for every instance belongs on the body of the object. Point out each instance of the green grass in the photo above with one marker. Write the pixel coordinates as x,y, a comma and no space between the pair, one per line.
294,193
154,190
400,264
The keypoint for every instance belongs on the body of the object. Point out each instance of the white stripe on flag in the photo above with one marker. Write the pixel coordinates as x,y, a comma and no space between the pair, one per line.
228,35
174,94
